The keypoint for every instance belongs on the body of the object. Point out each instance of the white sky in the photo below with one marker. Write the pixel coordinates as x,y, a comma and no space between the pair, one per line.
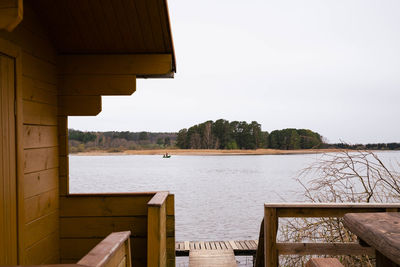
332,66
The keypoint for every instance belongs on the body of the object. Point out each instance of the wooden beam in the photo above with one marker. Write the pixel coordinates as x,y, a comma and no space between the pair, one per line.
324,262
11,13
156,231
75,85
270,232
332,249
140,65
79,105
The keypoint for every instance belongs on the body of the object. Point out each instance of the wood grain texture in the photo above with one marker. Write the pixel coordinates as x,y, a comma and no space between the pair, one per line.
39,113
109,252
36,106
327,209
270,232
156,231
324,262
40,159
220,258
379,230
332,249
37,91
40,205
158,199
91,26
38,69
40,228
43,251
85,219
8,176
38,136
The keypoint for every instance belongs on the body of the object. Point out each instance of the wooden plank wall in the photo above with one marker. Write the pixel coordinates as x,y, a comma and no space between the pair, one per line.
39,234
85,220
8,177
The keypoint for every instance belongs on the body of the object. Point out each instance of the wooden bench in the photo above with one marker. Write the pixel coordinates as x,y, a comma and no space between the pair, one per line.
323,262
113,251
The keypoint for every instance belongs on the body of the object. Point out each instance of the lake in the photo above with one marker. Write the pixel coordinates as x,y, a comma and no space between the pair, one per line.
216,197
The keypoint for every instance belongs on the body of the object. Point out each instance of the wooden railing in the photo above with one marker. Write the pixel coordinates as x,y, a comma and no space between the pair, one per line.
85,219
271,249
157,231
113,251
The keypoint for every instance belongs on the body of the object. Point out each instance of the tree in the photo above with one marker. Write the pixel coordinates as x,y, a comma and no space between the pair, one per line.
181,139
143,136
359,176
167,141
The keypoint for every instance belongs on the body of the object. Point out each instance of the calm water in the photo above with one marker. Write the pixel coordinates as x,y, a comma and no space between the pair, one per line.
216,197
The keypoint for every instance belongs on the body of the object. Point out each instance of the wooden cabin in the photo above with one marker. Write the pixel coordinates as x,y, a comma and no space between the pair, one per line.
57,58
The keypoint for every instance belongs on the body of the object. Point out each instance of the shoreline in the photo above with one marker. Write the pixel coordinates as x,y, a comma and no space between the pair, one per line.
207,152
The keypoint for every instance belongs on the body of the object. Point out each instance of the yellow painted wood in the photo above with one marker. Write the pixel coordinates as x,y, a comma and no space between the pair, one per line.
87,206
39,182
86,218
39,113
270,232
79,105
99,227
37,136
11,13
38,69
37,91
39,159
8,177
40,205
44,251
40,228
75,85
156,230
139,65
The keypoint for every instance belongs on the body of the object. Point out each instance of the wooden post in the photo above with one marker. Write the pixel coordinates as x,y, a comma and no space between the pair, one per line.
157,231
270,231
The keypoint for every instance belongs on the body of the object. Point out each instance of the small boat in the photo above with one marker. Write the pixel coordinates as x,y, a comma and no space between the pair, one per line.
166,156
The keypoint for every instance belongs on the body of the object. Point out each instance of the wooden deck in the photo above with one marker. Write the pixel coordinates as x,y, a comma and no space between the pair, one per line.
239,247
212,258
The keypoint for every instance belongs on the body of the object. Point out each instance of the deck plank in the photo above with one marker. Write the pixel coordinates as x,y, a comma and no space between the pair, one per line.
218,258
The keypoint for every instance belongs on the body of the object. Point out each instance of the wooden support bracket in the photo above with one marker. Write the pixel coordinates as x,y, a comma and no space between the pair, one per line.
89,85
79,105
142,65
11,14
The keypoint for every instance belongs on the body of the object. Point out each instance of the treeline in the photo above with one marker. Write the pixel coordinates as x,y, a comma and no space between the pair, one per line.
223,134
377,146
114,141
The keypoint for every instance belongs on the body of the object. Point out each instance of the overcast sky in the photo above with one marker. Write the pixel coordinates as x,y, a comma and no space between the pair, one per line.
329,66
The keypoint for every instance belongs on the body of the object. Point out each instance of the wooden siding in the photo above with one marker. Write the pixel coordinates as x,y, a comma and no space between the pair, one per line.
8,176
86,220
39,222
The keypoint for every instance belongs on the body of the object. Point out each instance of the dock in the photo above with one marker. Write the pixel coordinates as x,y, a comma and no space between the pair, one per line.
215,253
239,247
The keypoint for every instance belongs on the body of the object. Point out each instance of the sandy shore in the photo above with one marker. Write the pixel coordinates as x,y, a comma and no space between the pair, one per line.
211,152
